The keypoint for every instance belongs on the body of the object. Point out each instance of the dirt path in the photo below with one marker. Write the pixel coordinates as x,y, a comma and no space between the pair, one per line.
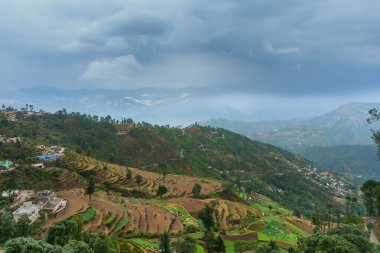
373,236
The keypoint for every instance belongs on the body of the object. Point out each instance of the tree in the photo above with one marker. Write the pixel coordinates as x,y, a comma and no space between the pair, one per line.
7,227
212,244
267,248
165,243
206,215
107,186
102,245
219,245
90,187
374,116
128,175
28,245
77,247
185,245
369,200
347,238
162,190
197,188
23,228
139,179
61,232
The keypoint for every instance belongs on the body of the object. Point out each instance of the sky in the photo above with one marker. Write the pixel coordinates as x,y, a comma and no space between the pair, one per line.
252,55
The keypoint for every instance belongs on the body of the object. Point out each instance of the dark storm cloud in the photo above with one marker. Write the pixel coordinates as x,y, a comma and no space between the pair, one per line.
287,48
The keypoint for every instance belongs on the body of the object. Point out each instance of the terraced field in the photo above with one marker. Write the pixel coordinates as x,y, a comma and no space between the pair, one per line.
114,214
117,175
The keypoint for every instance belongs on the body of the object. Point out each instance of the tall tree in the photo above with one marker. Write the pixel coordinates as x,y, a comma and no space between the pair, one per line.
369,200
162,190
61,232
185,245
7,228
139,179
90,187
219,245
23,229
102,245
165,243
197,188
206,215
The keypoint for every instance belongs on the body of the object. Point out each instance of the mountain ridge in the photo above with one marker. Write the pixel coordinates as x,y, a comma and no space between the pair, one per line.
345,125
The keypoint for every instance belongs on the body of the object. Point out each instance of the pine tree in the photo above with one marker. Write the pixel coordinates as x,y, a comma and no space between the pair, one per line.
165,243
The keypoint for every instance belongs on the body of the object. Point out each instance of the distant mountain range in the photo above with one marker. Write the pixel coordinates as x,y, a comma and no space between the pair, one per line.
339,141
347,125
182,106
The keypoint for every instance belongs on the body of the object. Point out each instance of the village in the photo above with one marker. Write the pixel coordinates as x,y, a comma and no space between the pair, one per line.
43,204
327,180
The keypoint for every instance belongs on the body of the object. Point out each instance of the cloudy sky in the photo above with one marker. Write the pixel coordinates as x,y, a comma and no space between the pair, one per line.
246,52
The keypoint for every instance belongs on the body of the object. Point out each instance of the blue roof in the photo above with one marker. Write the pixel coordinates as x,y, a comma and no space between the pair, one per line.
47,157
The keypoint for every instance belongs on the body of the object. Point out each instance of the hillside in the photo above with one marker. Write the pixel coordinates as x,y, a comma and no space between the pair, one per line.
134,216
196,151
346,125
354,161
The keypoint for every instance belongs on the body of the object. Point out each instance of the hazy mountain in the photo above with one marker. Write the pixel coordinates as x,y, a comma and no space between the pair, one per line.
339,141
181,106
346,125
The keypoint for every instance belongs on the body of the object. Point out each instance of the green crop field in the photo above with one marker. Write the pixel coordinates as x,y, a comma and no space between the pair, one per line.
88,215
123,220
278,229
264,206
230,247
145,243
185,216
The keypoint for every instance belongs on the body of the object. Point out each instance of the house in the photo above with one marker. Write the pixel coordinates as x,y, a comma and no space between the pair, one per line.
29,209
55,206
9,193
21,197
57,149
49,201
40,147
6,164
45,195
38,165
48,158
13,140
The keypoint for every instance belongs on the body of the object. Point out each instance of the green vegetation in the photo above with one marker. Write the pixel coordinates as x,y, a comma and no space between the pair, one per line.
110,219
122,222
88,215
267,206
347,238
186,218
206,151
281,230
145,243
230,247
200,249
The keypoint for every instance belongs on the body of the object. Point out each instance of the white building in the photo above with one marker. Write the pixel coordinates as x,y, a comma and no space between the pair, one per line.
28,209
